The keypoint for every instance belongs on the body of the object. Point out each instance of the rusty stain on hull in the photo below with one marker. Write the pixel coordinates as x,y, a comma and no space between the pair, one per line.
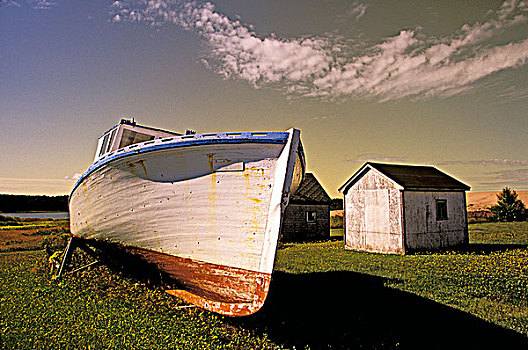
222,289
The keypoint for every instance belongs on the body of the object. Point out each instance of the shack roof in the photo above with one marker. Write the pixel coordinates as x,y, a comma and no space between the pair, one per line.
410,177
310,192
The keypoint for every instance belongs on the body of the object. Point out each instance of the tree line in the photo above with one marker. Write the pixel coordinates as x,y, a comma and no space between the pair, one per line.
10,203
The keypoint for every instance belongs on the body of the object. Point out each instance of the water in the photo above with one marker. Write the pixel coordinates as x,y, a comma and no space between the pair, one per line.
42,215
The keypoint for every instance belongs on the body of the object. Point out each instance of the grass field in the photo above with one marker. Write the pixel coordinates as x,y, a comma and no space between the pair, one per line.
321,297
30,234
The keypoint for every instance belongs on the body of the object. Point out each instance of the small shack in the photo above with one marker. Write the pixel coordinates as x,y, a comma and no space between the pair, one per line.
307,216
391,208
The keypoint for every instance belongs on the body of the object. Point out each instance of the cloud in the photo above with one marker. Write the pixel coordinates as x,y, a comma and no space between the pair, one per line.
511,175
513,93
43,4
34,4
373,157
512,172
404,65
506,162
516,178
323,118
357,11
75,176
239,53
9,3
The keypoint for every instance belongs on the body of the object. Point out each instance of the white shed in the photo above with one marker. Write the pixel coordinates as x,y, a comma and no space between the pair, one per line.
391,208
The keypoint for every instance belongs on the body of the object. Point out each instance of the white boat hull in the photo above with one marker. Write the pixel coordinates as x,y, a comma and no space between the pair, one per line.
208,214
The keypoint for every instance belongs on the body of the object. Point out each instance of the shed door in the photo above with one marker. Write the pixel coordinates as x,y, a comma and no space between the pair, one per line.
377,219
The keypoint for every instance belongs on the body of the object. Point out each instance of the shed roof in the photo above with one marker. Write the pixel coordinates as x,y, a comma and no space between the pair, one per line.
310,192
410,177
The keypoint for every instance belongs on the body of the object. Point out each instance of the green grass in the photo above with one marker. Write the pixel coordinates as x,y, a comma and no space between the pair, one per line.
499,232
99,309
322,296
489,279
490,285
336,233
32,234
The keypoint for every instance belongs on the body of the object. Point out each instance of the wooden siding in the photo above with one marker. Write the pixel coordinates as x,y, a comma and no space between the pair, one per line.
296,228
373,215
423,230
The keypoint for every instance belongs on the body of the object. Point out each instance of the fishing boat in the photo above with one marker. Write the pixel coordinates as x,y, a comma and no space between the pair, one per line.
204,209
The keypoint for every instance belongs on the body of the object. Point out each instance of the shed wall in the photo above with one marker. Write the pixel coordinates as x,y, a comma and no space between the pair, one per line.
422,228
373,215
295,227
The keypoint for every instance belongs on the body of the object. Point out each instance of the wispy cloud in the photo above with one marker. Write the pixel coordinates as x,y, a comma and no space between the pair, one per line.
506,172
34,4
322,118
9,3
507,162
513,93
373,157
405,65
516,178
357,11
516,175
75,176
43,4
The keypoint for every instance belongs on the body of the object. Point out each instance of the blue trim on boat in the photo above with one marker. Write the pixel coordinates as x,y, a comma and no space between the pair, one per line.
186,141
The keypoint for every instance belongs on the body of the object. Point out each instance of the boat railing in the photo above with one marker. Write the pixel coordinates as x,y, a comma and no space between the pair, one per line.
184,140
176,139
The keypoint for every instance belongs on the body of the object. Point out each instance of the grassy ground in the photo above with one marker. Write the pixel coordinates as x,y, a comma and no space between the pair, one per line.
321,297
30,234
499,233
98,309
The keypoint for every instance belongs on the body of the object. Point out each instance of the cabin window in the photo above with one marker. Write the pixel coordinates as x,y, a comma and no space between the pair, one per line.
108,147
103,146
311,216
130,137
441,209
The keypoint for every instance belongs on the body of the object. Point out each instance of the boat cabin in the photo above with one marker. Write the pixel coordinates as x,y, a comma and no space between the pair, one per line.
126,133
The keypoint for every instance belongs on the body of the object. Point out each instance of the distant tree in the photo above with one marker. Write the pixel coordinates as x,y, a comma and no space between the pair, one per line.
337,204
508,207
11,203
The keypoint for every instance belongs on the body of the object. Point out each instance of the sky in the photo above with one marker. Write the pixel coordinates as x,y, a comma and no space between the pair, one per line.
441,83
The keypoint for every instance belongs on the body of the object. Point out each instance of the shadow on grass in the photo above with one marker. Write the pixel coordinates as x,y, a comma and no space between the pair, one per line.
347,310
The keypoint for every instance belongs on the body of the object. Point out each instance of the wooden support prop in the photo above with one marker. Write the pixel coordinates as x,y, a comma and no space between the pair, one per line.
184,307
87,249
72,244
67,255
84,267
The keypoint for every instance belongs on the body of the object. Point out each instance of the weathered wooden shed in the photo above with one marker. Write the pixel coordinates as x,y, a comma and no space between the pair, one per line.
391,208
307,216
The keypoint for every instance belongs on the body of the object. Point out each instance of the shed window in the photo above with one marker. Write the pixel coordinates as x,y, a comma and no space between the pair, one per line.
310,216
441,209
